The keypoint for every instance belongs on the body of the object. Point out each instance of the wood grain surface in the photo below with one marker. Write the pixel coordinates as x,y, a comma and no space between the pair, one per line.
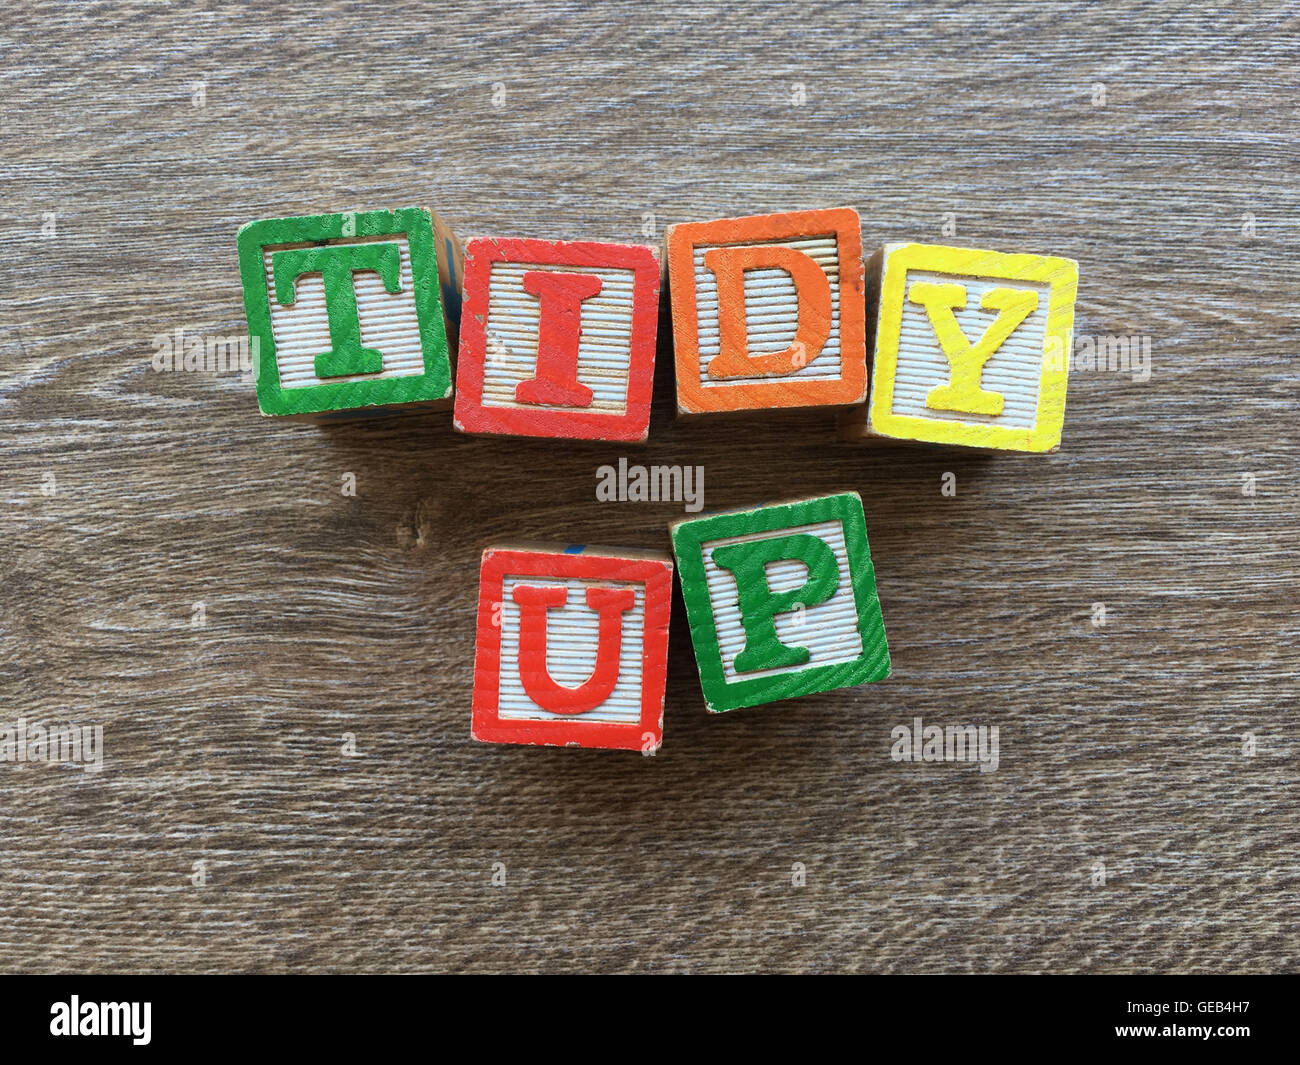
1155,145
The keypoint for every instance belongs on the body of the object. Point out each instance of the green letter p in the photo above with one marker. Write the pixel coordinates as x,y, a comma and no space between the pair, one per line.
759,605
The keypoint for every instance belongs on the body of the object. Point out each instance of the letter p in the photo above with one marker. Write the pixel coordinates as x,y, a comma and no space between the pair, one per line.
759,605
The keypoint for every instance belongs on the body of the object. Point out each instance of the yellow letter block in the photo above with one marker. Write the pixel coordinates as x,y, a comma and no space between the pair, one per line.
972,348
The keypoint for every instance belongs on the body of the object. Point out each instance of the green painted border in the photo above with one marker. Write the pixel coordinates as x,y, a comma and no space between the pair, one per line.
414,223
688,539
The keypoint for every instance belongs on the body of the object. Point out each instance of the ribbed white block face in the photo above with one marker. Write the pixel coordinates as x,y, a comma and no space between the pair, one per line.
604,349
829,630
771,312
389,322
571,641
1014,370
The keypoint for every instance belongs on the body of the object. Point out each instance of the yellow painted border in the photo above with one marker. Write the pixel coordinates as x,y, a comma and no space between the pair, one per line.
1062,277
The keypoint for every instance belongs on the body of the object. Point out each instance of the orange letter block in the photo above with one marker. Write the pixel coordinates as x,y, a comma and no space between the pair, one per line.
768,311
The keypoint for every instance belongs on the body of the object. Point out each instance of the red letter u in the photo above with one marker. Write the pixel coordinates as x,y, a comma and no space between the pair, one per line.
610,604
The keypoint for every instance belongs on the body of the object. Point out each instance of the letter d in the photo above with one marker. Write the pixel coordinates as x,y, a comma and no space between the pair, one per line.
812,293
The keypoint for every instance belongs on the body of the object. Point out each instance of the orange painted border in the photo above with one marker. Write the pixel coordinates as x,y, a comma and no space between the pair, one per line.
851,388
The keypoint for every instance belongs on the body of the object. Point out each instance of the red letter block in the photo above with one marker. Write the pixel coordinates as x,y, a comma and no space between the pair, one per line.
557,339
572,647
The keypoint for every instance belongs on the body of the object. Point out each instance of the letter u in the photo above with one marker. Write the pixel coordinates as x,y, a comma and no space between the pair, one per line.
534,603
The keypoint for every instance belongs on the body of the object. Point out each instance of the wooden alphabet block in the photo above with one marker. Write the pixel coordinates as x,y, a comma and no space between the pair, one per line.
768,311
348,313
781,600
572,647
972,348
558,339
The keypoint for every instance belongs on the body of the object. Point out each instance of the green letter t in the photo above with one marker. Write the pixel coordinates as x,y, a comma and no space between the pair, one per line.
336,263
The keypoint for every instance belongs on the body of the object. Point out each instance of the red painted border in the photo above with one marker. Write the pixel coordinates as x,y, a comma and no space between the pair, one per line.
471,416
657,578
692,397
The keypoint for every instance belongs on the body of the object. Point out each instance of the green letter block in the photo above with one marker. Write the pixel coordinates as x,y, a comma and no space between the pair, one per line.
781,601
388,350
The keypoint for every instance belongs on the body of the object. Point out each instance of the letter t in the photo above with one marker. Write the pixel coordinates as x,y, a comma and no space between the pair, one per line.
336,264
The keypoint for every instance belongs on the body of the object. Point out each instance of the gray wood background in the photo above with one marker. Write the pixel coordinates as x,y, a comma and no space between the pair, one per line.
1157,146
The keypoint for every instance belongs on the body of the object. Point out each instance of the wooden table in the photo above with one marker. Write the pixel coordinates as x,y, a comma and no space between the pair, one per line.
1126,828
